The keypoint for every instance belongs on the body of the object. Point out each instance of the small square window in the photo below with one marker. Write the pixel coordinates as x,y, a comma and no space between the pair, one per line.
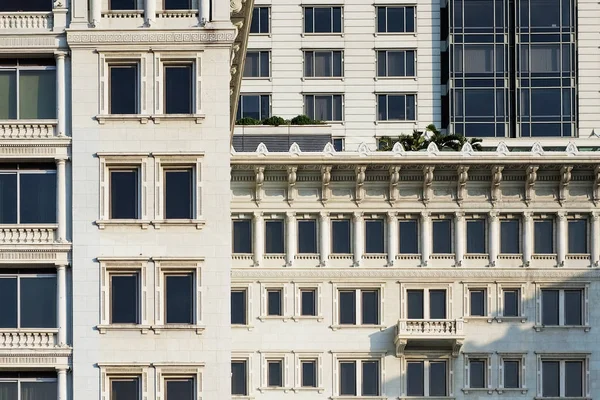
308,305
177,4
307,236
124,193
340,237
274,302
258,64
442,236
409,236
544,236
511,302
477,302
578,236
124,388
477,373
308,370
242,237
275,373
322,19
510,242
415,307
476,236
260,20
274,237
179,87
239,307
124,88
179,389
239,378
124,298
179,298
395,19
374,236
178,192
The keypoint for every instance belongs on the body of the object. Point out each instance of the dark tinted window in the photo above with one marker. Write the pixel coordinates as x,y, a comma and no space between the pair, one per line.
395,19
578,243
511,374
124,299
8,197
177,4
123,194
511,303
274,237
323,63
178,88
476,236
550,307
442,236
477,300
348,307
573,379
415,304
123,5
409,237
274,374
573,307
322,19
123,88
307,236
274,303
338,144
38,302
396,107
26,5
254,106
477,373
178,194
257,64
10,390
437,378
510,237
396,63
415,379
179,299
309,302
239,384
38,198
125,389
340,237
8,299
309,373
238,307
370,378
348,378
260,20
324,107
179,389
374,236
437,304
242,236
370,307
544,237
551,378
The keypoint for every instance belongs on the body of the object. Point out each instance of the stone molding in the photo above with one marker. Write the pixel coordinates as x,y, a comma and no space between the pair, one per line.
84,39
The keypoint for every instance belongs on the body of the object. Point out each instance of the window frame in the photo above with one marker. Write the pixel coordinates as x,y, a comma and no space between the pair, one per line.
522,359
519,221
247,288
561,287
427,360
486,229
588,233
260,96
314,76
385,229
357,288
299,287
247,359
138,86
562,358
451,220
260,55
313,6
268,33
304,218
347,218
301,356
501,287
241,218
284,238
468,287
332,95
264,301
387,108
386,6
405,287
109,372
540,218
170,371
286,381
487,358
358,358
405,218
387,75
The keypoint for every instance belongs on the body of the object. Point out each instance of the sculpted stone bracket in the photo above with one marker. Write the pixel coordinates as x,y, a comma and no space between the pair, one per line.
258,182
531,178
325,181
496,181
427,182
394,180
360,182
463,177
565,178
291,190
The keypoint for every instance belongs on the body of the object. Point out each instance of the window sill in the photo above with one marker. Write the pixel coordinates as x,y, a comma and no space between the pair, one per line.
298,318
512,390
264,318
388,78
326,78
478,390
142,119
474,318
241,397
338,327
158,223
330,34
123,327
562,398
178,327
102,224
198,118
177,13
122,13
394,34
240,326
274,389
539,328
359,397
511,319
426,397
308,389
257,78
395,121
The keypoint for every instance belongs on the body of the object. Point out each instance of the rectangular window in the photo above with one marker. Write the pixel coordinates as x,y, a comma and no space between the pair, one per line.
177,4
395,19
578,236
543,236
370,307
510,238
477,300
308,302
437,304
340,237
370,378
322,19
179,88
28,195
442,236
434,371
348,378
308,370
274,302
563,378
326,107
24,82
359,378
239,307
307,236
26,6
562,307
275,373
258,64
374,236
512,373
122,5
416,304
124,298
124,193
260,20
477,373
338,144
396,107
28,300
323,64
242,236
179,193
274,237
476,236
179,389
255,106
179,298
391,63
347,311
409,236
124,88
124,388
239,378
510,305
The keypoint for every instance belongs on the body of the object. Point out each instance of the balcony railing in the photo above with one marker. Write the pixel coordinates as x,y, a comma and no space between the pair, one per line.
27,129
28,234
28,338
26,20
438,332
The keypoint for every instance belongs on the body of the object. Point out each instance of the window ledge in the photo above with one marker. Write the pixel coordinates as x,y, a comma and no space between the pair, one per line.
506,256
360,397
402,34
539,328
395,121
122,222
264,318
442,256
198,118
501,319
122,13
158,223
474,318
426,398
388,78
478,390
178,327
28,122
29,330
298,318
274,389
308,389
238,326
142,119
512,390
407,256
326,78
123,327
330,34
338,327
240,397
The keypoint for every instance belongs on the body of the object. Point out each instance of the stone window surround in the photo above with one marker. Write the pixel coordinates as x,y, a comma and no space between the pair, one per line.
248,359
488,303
583,286
448,359
286,365
164,371
338,357
247,288
522,358
488,372
404,287
358,286
285,306
570,356
299,357
522,289
109,371
298,288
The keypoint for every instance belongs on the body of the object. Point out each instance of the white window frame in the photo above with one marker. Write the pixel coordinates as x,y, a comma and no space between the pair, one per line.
358,358
286,368
405,287
387,111
110,266
299,287
487,357
299,357
165,161
588,234
315,50
426,360
375,217
166,371
268,77
343,97
318,230
248,358
19,381
545,217
269,28
391,50
562,286
243,217
114,161
519,219
522,359
247,288
396,5
501,287
175,265
358,288
562,357
341,217
241,111
331,6
110,371
452,219
488,296
404,218
264,301
486,239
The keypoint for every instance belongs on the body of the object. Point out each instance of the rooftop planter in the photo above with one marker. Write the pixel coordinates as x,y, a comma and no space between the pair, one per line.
300,125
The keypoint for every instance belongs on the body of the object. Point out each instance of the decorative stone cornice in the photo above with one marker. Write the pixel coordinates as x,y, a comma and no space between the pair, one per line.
195,38
29,42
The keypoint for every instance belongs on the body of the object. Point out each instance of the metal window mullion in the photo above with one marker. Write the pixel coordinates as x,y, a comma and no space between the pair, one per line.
18,174
18,76
426,372
561,307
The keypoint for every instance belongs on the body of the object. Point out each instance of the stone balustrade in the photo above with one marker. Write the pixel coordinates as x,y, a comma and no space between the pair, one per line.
434,327
27,234
26,20
27,129
28,338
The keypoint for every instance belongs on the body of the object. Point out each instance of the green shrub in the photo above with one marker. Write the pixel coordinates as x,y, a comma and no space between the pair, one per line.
274,121
304,120
247,121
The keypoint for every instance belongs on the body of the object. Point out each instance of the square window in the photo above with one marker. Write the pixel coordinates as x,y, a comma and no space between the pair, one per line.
178,192
308,302
562,307
308,370
477,373
510,242
124,388
239,307
242,237
275,373
177,5
28,301
254,106
124,193
322,19
477,300
442,236
123,5
124,298
409,236
340,237
239,378
395,19
179,298
179,84
307,236
258,64
476,236
260,20
338,144
544,236
179,389
578,236
512,373
436,374
510,298
274,237
374,236
123,88
274,302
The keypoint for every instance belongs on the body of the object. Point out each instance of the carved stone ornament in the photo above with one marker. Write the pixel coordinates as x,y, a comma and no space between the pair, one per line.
295,149
325,181
530,180
398,149
467,148
329,149
427,182
261,149
432,148
596,188
571,149
394,180
292,176
502,148
235,6
565,178
537,149
258,182
463,177
363,149
360,182
496,181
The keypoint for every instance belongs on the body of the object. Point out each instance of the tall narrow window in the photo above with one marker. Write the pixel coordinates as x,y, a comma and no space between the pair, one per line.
370,307
477,302
124,298
179,298
415,308
510,238
307,236
274,302
260,20
322,19
348,378
274,237
374,236
544,236
578,236
442,236
239,378
512,373
437,304
409,236
510,298
179,88
308,370
308,302
347,307
179,199
238,307
242,236
476,236
340,237
370,378
275,373
124,187
123,88
477,373
323,64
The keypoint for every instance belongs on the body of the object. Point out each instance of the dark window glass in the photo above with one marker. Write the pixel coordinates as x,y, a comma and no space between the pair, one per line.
178,88
179,389
239,385
324,107
437,378
309,373
442,236
395,19
9,390
511,374
178,194
308,302
409,237
578,236
307,236
124,299
123,5
370,307
260,20
123,88
509,237
274,237
573,379
8,198
179,299
477,300
551,378
477,373
274,305
322,19
257,64
348,307
238,307
476,237
123,194
370,378
573,307
38,198
338,144
124,389
340,235
38,302
348,378
38,390
242,236
415,379
323,63
437,304
544,237
415,304
8,299
254,106
511,303
396,107
550,307
374,236
177,5
274,374
26,5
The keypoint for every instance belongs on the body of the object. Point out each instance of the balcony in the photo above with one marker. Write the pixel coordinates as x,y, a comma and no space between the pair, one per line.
28,338
27,234
436,334
41,20
34,129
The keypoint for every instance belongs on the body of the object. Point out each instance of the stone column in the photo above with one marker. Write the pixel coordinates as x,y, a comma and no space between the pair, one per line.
291,238
324,237
259,238
96,13
425,238
150,11
392,238
561,238
204,7
359,227
62,383
494,239
527,238
61,304
459,237
595,239
61,91
61,200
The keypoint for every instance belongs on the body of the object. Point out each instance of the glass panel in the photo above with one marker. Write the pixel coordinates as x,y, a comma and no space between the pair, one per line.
265,106
476,237
410,63
509,237
124,389
544,237
178,194
578,236
242,236
550,307
123,5
396,107
511,374
546,102
396,63
395,20
382,114
38,302
370,378
410,107
123,89
251,66
8,95
8,198
178,88
337,19
264,20
478,58
309,106
545,58
179,299
177,5
479,102
370,307
478,14
37,94
415,304
323,22
124,299
545,13
415,379
347,307
381,19
410,19
239,384
309,71
274,374
374,236
274,237
123,194
477,373
437,378
179,389
9,390
442,236
309,374
255,25
573,307
551,378
573,379
337,64
340,234
265,67
238,307
308,20
409,237
274,303
8,299
323,63
38,198
437,304
348,378
27,5
511,303
38,391
477,300
307,236
308,302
